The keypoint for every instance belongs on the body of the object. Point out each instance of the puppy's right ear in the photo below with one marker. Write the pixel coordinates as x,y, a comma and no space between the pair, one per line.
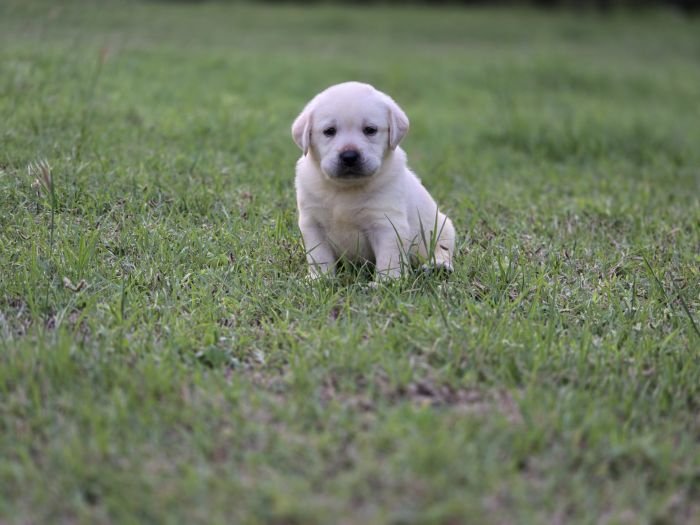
301,130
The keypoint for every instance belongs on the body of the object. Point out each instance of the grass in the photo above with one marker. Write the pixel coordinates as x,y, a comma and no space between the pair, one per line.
164,360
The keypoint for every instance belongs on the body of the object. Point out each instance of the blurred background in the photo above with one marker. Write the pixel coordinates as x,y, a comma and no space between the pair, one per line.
602,5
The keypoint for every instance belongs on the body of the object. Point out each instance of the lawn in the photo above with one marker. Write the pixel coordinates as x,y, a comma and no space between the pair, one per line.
164,359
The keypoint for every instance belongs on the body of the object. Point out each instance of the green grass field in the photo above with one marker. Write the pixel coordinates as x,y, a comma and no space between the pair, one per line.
164,360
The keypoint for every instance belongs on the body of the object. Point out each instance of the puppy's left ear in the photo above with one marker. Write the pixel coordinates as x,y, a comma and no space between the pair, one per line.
398,123
301,130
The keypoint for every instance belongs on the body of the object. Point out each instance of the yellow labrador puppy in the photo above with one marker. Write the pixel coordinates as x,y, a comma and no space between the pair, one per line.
356,197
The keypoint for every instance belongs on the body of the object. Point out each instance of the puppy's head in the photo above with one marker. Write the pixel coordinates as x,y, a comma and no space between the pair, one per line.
349,129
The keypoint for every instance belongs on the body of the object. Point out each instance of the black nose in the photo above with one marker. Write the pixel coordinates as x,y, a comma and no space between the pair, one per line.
349,157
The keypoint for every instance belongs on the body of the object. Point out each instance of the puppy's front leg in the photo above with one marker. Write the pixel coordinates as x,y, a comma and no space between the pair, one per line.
445,246
319,255
387,247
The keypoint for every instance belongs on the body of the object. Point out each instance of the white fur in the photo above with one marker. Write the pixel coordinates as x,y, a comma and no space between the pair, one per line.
377,211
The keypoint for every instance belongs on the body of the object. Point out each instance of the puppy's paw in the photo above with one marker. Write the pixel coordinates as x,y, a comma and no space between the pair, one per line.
387,275
315,276
444,266
385,278
382,283
438,267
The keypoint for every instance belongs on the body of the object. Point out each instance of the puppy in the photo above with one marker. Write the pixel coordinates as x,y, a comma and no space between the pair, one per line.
356,197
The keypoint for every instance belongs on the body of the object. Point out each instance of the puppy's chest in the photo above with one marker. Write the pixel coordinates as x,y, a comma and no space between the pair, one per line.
347,226
344,211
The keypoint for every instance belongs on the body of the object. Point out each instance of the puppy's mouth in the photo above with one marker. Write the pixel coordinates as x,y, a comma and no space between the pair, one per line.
356,172
359,170
351,172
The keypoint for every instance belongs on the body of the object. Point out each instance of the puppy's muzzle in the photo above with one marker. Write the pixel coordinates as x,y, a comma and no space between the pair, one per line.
349,158
350,165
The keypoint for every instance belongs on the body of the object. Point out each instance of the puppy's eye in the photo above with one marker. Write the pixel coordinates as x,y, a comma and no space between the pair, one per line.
369,130
329,132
